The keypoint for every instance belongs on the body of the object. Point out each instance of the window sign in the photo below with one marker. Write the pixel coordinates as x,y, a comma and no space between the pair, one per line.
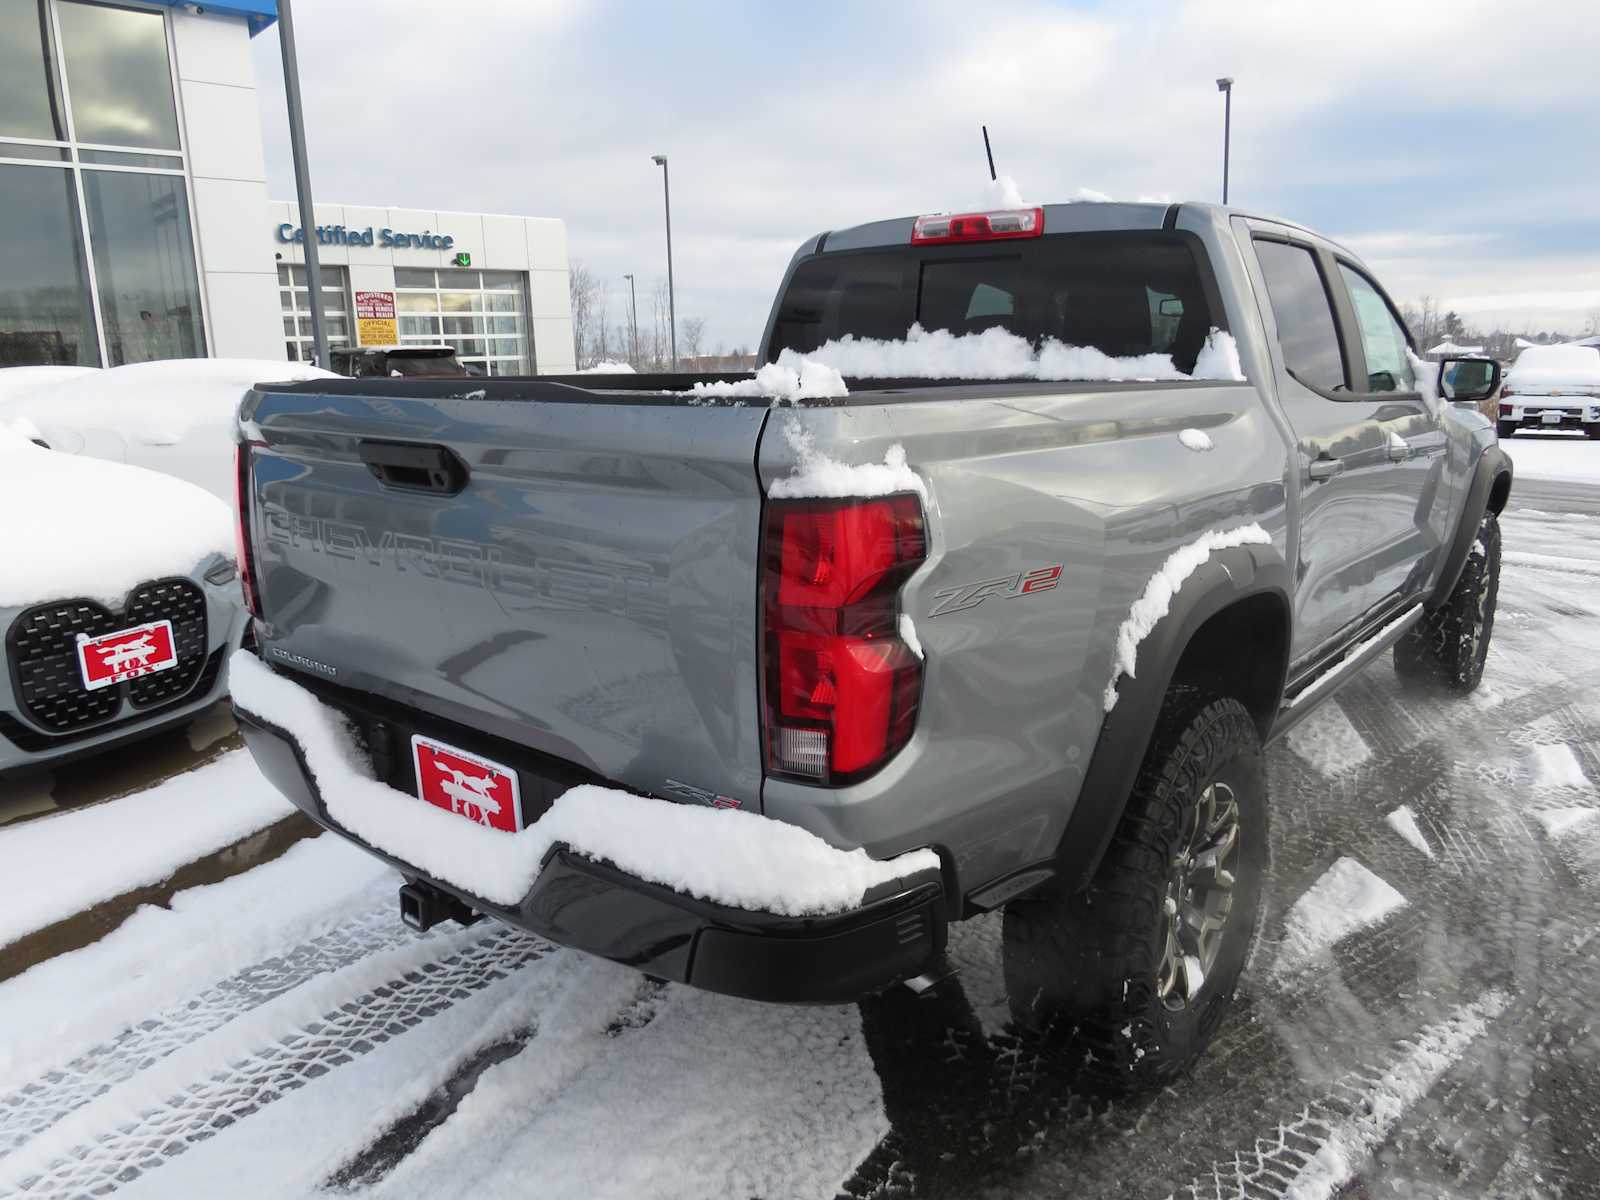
375,319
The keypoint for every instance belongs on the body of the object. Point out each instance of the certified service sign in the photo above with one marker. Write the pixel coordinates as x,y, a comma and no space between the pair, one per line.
375,323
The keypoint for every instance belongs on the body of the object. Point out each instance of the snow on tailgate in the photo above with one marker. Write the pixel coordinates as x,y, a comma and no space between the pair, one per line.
725,856
82,527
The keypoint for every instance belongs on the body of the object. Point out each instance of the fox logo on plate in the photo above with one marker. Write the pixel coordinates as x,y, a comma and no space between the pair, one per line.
126,654
468,785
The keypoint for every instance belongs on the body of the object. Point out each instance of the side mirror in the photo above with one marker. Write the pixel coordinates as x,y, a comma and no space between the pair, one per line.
1469,380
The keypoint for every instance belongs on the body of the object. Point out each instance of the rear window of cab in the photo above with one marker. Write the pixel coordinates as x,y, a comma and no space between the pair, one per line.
1124,293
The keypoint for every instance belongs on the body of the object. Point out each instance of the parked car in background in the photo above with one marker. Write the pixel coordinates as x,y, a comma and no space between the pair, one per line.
176,416
1552,387
119,602
985,593
410,362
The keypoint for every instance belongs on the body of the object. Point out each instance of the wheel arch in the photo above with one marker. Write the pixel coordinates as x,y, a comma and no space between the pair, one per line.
1234,609
1487,493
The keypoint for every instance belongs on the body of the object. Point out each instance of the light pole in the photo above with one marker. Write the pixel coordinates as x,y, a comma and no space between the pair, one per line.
302,180
672,300
635,296
1225,86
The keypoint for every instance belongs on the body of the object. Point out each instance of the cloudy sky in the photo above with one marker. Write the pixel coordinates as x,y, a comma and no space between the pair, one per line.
1452,144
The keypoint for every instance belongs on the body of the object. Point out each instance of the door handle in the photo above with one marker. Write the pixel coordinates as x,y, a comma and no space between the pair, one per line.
1399,448
1325,468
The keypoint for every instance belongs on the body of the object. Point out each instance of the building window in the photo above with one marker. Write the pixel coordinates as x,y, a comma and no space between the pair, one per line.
118,76
295,299
144,266
45,314
98,242
482,314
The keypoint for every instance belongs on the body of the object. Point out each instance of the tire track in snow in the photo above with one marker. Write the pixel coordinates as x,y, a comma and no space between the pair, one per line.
31,1109
1320,1149
106,1158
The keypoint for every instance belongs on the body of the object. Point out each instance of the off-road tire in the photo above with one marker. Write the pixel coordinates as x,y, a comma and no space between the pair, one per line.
1592,431
1450,644
1505,429
1082,968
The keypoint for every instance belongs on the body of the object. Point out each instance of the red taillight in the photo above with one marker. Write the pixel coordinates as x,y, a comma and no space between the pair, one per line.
1507,409
978,227
841,686
241,527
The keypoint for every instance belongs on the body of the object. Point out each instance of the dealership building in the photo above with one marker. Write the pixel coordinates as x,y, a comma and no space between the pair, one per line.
138,226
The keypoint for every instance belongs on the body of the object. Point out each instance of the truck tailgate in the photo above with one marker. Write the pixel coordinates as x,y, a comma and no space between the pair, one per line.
590,591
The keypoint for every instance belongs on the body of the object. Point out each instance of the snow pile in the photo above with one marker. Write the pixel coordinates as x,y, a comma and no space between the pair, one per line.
791,378
1154,603
1347,898
1540,368
1379,1108
727,856
817,475
18,383
80,527
201,936
908,634
1565,457
1328,741
1003,193
1556,766
176,416
608,368
1558,822
1404,822
1197,440
138,840
1427,378
999,354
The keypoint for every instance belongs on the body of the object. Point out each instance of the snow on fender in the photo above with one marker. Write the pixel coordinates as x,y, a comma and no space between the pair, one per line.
1156,600
726,856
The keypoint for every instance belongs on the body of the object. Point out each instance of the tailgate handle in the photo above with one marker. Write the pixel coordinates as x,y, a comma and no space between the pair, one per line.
414,467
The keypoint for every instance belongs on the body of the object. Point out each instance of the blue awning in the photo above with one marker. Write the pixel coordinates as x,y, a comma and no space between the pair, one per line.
259,13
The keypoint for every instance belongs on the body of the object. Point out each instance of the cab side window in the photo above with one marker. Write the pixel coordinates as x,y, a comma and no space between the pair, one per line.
1382,339
1300,305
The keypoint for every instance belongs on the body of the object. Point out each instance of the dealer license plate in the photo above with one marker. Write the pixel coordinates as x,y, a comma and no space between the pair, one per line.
469,785
126,654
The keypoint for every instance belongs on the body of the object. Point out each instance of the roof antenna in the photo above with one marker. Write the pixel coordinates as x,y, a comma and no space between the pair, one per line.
988,151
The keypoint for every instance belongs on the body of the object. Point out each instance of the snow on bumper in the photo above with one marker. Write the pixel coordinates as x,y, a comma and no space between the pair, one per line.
725,857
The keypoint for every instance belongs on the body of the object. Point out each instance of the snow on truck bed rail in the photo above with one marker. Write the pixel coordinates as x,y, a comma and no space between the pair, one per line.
726,856
992,354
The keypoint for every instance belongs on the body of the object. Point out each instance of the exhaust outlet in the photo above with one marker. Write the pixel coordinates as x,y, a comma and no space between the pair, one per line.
422,906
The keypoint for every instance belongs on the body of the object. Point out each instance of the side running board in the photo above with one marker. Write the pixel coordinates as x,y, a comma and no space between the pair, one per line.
1298,706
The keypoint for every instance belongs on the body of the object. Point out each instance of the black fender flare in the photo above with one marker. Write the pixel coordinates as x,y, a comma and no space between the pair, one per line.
1226,578
1493,465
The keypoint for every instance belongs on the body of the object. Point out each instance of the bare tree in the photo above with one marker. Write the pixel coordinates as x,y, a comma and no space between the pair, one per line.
661,330
583,289
1592,322
690,336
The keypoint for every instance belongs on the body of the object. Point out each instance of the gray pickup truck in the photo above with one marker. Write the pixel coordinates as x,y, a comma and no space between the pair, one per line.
1051,654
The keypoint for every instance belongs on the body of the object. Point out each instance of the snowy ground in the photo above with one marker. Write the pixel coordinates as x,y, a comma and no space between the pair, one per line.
1418,1019
1569,457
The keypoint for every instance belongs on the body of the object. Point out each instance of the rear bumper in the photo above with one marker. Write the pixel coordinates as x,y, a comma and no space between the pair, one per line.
895,934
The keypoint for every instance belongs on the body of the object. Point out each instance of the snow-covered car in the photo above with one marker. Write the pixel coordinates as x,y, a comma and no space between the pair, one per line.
175,416
119,602
1552,387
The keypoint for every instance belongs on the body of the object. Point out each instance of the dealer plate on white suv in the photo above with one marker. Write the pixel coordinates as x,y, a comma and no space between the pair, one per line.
126,654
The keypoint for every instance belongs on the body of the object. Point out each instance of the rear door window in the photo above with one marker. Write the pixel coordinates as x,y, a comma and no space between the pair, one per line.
1383,341
1122,293
1307,334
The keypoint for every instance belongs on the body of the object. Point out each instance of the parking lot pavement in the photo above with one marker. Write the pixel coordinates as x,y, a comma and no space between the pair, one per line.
279,1033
